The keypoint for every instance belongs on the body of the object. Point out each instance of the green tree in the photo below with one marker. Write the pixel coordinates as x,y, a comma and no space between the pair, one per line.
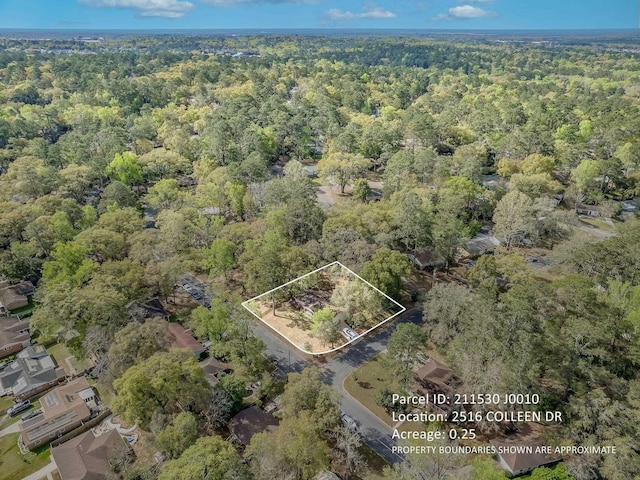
320,317
296,450
411,219
165,194
180,435
514,218
406,341
209,458
306,394
119,194
342,168
386,269
125,168
537,164
361,190
585,178
137,342
164,384
220,257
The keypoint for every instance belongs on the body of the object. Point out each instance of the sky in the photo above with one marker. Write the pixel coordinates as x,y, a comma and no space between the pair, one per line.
265,14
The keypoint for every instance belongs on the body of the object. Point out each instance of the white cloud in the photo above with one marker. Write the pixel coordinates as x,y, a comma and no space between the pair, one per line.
146,8
465,12
235,3
368,12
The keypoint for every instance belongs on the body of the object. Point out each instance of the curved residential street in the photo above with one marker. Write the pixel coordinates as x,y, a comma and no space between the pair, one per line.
374,432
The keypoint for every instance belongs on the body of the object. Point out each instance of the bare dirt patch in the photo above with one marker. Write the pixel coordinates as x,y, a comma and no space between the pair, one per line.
355,307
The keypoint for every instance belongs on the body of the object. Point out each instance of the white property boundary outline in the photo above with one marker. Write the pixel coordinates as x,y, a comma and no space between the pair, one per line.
402,308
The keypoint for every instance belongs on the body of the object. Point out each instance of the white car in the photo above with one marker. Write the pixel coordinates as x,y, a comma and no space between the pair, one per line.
349,422
350,334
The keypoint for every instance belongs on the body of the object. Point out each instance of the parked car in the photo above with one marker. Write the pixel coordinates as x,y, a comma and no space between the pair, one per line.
4,365
350,334
348,422
18,407
32,414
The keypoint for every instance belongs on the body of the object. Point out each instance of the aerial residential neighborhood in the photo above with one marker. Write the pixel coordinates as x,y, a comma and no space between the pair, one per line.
390,241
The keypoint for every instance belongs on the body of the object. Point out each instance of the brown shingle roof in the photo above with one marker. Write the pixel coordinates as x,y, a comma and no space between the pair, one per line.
10,328
250,421
435,372
184,339
86,457
12,299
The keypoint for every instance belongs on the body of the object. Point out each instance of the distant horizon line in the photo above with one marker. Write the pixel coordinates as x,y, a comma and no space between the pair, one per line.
260,29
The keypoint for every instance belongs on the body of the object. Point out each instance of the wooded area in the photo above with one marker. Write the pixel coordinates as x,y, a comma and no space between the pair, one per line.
249,161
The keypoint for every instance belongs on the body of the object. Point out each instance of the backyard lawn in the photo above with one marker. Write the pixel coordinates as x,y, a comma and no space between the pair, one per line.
61,353
14,465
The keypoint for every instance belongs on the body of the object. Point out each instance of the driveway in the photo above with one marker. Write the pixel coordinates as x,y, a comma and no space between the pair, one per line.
14,428
373,430
44,472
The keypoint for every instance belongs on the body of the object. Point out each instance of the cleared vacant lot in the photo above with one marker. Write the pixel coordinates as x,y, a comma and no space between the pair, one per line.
324,310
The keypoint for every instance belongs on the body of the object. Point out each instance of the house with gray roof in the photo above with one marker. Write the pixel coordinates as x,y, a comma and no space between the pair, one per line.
32,372
479,245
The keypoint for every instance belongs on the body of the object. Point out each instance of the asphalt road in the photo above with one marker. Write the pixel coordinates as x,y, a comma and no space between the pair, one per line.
373,430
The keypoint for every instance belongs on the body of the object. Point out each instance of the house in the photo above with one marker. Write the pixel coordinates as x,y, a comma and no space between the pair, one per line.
588,210
32,372
433,378
435,372
14,335
518,455
491,182
142,311
426,258
212,368
246,423
86,457
480,245
186,181
62,409
13,297
184,339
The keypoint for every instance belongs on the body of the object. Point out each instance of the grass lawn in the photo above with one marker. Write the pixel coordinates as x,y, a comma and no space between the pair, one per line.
60,352
104,392
5,403
375,464
26,310
599,224
12,463
365,382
